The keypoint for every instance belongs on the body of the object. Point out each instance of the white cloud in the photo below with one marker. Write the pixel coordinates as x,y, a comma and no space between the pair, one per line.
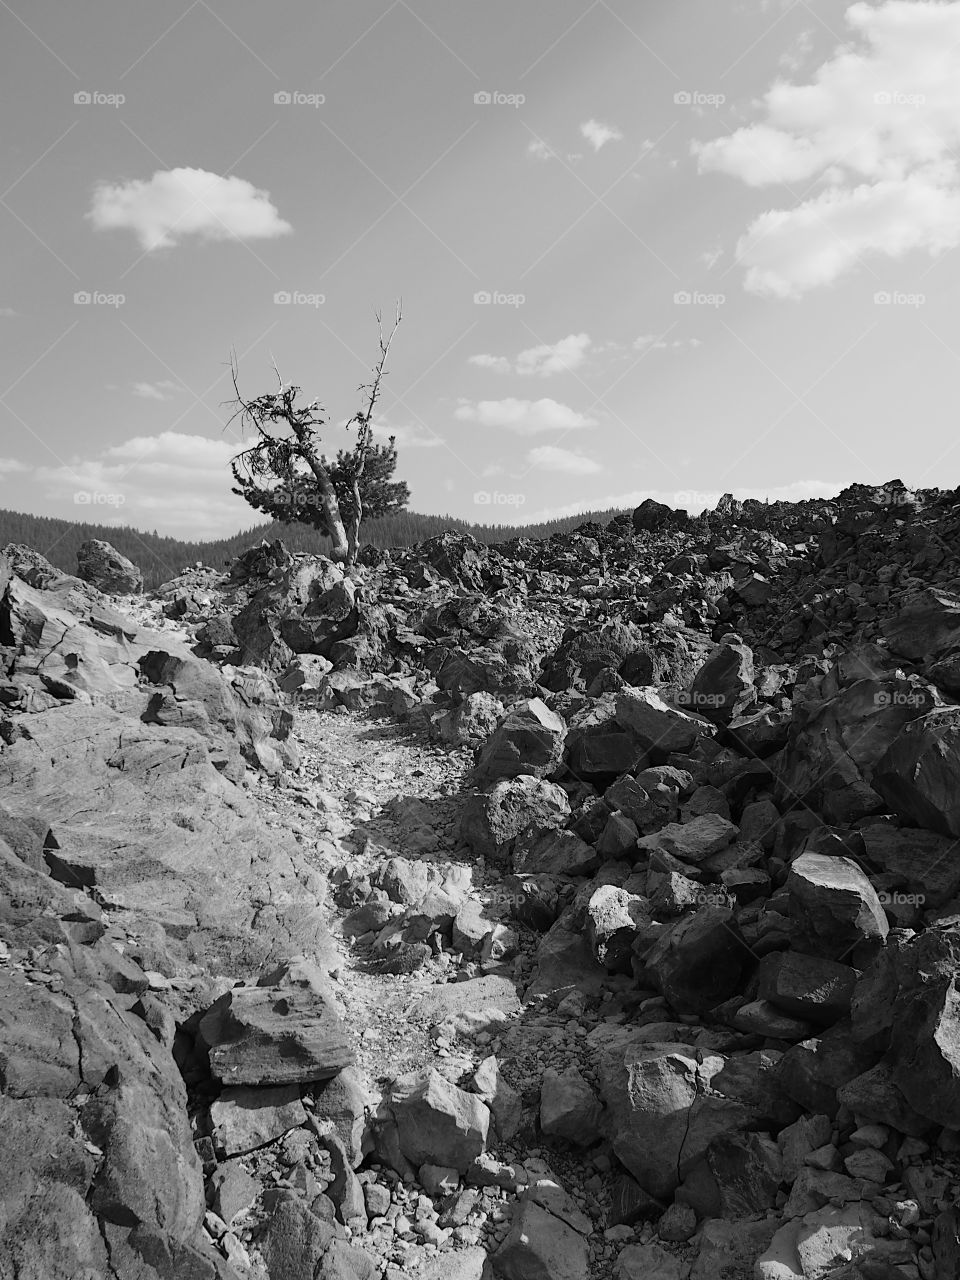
523,416
161,390
543,360
12,466
7,313
549,457
176,203
178,484
557,357
540,150
408,436
598,135
499,363
878,127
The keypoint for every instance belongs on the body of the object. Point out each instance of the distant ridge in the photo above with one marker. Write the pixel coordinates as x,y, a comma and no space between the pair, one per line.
162,558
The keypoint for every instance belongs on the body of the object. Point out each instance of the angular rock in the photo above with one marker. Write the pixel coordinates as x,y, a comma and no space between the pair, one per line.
656,724
282,1032
437,1122
491,822
919,774
105,568
807,987
541,1247
569,1109
693,841
724,686
244,1118
698,962
529,742
833,904
611,922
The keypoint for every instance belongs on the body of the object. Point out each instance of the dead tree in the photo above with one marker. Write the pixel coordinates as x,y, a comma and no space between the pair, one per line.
287,451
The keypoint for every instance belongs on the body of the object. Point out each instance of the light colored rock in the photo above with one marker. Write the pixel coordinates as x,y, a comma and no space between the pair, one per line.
245,1118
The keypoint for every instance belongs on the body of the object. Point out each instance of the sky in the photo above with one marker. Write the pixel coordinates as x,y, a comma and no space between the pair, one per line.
668,248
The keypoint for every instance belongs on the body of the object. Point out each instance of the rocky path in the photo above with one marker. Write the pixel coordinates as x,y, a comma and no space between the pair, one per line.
370,790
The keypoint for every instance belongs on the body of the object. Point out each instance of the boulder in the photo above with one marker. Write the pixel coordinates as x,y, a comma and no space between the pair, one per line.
106,569
244,1119
569,1109
529,742
692,841
284,1030
698,962
540,1246
490,822
660,727
723,688
919,775
651,516
807,987
925,1038
611,921
833,904
437,1122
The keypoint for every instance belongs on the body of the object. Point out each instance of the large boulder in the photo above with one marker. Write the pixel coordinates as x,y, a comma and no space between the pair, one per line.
438,1123
698,962
667,1102
833,904
284,1030
658,725
529,742
919,775
651,516
723,688
925,1041
490,822
106,569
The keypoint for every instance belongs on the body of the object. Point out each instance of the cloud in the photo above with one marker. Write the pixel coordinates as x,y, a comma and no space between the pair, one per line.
177,203
598,135
710,257
12,466
540,150
543,360
526,417
499,363
161,390
548,457
178,484
408,436
877,129
7,313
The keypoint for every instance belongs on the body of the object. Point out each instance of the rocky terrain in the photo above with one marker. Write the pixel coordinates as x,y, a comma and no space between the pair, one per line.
559,910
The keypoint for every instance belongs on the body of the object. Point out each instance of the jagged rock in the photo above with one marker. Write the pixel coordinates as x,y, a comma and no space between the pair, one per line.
657,725
491,822
284,1030
472,721
925,1038
106,569
813,1071
918,775
504,1102
611,920
808,987
341,1103
875,1096
667,1102
748,1171
300,1246
923,862
529,742
244,1118
553,853
540,1246
833,904
723,688
569,1109
697,963
730,1248
437,1122
648,1262
796,1141
651,516
692,841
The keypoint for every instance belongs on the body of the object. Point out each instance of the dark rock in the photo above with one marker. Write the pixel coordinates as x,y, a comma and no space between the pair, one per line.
106,569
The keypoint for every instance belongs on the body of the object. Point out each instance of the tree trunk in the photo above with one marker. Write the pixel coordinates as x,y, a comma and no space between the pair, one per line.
353,537
340,550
